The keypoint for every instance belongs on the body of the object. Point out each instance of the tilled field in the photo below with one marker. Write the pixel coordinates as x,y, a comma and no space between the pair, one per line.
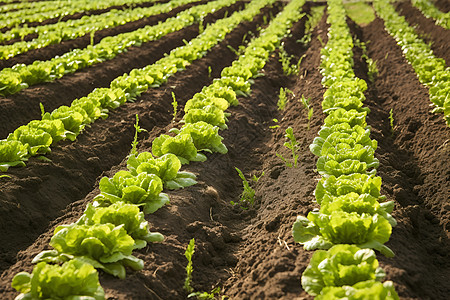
250,254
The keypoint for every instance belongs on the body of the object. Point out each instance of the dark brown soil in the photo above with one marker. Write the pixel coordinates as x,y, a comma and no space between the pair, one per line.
442,5
250,253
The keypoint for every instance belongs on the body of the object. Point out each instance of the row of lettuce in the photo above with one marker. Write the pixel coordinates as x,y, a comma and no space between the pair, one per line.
431,71
59,9
67,122
354,218
56,33
21,76
431,11
114,225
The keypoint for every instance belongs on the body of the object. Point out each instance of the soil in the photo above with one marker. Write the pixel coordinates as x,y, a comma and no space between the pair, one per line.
249,254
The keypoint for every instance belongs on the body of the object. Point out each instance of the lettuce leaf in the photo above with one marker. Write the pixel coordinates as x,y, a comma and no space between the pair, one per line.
12,154
165,167
360,204
340,227
199,102
210,114
121,213
54,127
37,140
74,279
345,184
104,246
351,117
369,289
181,145
340,265
205,136
144,189
220,91
72,119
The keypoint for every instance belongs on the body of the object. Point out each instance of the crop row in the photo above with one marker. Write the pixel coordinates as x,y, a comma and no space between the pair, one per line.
72,29
431,71
55,33
22,76
39,14
431,11
354,217
65,122
113,226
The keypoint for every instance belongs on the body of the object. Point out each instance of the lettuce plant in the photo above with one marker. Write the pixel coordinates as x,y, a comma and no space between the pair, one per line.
143,189
12,154
199,101
104,246
345,184
353,202
165,167
72,119
321,231
340,265
37,140
205,136
210,114
54,127
121,213
73,280
369,289
181,145
352,117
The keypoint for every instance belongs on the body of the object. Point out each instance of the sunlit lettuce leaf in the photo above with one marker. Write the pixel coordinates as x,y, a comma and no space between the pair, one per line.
104,246
74,279
121,213
369,289
181,145
340,265
12,154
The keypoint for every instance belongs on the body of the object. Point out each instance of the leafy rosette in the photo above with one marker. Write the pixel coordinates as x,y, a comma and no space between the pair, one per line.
165,167
109,98
239,85
345,184
104,246
72,119
210,114
198,102
36,140
54,127
91,106
342,133
219,91
205,136
12,154
121,213
321,231
347,94
181,145
351,117
343,159
143,189
361,204
340,265
369,289
73,280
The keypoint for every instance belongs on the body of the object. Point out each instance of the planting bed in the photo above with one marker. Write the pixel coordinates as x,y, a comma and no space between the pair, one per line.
250,253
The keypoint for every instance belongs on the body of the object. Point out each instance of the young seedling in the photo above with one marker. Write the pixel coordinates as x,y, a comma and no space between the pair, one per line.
248,195
282,98
201,26
189,268
209,71
285,60
257,178
308,108
206,295
92,37
320,40
175,105
391,120
134,143
274,126
42,109
292,145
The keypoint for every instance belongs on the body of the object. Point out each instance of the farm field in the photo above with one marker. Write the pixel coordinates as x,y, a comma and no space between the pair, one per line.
248,253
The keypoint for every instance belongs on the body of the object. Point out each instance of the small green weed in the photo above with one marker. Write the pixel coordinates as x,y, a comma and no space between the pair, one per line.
174,105
292,145
248,195
189,268
134,143
308,108
282,98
